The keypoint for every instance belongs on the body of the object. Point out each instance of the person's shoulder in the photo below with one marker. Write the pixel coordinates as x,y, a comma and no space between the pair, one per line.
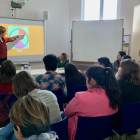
46,93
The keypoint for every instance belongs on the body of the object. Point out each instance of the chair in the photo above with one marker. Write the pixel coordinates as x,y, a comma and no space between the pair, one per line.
74,89
61,129
130,118
59,95
11,100
94,128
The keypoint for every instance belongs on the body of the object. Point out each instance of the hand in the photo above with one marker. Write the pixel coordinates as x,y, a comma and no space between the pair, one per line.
67,56
21,37
60,57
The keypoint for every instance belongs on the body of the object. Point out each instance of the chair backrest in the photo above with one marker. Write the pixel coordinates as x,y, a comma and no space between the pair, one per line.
74,89
61,129
59,95
130,118
11,100
94,128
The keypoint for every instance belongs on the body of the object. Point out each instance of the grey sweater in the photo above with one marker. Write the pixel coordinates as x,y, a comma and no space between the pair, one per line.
51,101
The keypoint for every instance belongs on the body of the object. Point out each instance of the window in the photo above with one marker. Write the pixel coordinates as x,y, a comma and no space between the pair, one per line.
92,9
110,9
99,9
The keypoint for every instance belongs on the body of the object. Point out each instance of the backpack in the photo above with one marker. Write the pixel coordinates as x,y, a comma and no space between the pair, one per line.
4,111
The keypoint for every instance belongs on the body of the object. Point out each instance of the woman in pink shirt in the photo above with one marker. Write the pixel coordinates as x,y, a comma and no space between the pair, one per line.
101,99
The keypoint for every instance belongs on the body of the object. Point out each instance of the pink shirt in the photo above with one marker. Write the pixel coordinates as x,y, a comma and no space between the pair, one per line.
91,103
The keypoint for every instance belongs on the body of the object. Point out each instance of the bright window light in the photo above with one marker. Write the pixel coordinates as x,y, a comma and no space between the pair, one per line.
110,9
92,9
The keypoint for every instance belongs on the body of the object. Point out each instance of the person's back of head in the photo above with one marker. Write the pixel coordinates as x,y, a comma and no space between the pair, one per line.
72,71
7,72
29,116
126,57
50,62
23,83
130,71
104,61
100,77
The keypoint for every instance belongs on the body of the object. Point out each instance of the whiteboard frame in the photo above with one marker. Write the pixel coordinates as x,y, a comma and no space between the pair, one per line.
72,45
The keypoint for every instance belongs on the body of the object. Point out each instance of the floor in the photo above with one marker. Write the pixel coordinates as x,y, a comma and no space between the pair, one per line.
136,137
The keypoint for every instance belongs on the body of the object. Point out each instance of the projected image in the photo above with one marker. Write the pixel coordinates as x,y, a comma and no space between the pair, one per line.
18,30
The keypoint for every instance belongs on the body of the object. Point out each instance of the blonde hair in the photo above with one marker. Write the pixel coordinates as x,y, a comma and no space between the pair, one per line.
2,29
31,115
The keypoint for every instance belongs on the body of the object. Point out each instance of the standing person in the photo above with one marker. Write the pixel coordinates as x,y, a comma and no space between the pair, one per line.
101,99
105,62
117,62
3,41
7,73
63,59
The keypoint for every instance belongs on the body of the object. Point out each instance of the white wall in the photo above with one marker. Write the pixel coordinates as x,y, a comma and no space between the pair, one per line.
57,25
135,41
126,13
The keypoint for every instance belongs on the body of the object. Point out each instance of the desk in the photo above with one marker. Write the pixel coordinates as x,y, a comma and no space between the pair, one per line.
43,71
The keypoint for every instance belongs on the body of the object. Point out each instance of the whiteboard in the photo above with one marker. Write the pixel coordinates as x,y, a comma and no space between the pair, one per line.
94,39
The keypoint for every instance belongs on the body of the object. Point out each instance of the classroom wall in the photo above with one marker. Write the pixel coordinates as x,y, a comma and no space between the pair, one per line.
126,13
57,25
135,42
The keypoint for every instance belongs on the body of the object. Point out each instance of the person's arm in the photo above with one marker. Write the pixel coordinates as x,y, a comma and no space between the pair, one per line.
72,107
11,39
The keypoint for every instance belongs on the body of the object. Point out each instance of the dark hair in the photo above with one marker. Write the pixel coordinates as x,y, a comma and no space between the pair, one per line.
50,62
7,72
31,115
122,53
23,83
130,71
105,79
126,57
64,57
106,62
72,71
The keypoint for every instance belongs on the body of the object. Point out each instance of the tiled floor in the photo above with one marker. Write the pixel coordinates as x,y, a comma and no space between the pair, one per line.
136,137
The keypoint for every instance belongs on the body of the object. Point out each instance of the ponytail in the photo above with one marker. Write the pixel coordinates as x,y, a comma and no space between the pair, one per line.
105,79
112,89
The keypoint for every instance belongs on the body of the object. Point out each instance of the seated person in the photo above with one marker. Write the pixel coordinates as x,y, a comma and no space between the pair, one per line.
73,77
117,62
24,84
7,72
101,99
63,60
31,121
124,57
51,80
129,85
105,62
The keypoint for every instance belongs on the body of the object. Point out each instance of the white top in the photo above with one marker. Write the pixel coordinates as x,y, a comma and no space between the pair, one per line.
51,101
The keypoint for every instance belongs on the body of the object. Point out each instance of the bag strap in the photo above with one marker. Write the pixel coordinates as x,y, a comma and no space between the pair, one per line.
7,97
